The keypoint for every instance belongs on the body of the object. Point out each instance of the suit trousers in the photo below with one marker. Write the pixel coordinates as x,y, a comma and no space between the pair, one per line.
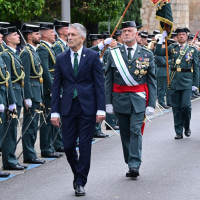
30,136
10,141
77,124
131,137
181,106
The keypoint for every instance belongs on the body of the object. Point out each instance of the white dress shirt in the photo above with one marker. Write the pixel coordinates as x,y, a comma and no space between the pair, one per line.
99,112
47,43
132,51
35,48
14,50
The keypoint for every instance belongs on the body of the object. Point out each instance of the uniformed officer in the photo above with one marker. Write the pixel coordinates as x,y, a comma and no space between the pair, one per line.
61,28
15,98
161,74
118,37
182,79
130,75
174,37
48,59
96,39
143,40
3,44
33,92
4,78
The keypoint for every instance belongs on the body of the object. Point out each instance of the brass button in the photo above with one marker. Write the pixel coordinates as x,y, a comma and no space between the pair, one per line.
129,67
31,84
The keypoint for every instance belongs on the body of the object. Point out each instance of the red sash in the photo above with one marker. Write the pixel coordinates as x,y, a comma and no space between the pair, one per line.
135,88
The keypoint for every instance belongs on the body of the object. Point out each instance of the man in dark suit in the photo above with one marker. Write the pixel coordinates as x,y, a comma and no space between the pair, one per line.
79,72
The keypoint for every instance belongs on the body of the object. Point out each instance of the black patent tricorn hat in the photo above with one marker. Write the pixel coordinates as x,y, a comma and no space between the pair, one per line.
46,25
131,24
4,24
95,36
29,28
58,23
10,30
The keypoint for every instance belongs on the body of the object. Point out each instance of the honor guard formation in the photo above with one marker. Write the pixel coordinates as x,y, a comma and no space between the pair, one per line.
35,82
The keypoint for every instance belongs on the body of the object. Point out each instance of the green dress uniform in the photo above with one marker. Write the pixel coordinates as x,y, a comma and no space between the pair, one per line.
2,47
162,80
4,78
33,89
47,131
59,47
129,106
15,95
182,78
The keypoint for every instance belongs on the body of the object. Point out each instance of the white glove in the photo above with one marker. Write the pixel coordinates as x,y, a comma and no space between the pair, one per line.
194,88
2,108
28,102
100,46
109,109
61,96
108,41
164,35
101,60
11,107
149,110
51,95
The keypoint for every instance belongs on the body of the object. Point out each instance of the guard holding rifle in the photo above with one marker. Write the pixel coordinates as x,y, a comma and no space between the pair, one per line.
15,99
183,78
33,92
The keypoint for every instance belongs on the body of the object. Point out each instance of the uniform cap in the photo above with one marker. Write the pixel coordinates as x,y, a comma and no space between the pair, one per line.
118,32
29,28
151,35
144,36
149,40
4,24
3,31
106,36
156,32
95,36
144,32
173,35
10,30
46,25
58,23
180,30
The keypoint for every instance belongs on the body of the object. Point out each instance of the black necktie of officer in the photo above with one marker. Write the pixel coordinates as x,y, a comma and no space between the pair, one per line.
129,53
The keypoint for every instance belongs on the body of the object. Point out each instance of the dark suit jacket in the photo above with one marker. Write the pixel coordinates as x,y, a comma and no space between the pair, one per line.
89,83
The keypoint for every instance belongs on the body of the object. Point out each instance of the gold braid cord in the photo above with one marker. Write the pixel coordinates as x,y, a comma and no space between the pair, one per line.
38,75
58,42
19,77
52,57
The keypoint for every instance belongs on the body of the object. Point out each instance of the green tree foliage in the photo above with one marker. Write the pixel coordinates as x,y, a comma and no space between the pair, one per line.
18,10
133,13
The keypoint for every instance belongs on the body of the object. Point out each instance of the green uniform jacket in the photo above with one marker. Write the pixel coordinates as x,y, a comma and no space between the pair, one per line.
182,80
47,65
123,102
2,47
3,88
15,90
161,66
33,89
59,47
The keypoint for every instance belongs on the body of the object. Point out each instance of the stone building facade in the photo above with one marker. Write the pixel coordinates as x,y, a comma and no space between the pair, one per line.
186,13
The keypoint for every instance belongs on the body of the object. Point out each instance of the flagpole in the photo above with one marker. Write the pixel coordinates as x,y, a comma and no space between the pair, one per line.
117,26
167,64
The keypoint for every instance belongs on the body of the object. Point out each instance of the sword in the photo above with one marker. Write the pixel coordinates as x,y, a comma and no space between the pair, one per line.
111,127
13,115
56,135
32,118
44,119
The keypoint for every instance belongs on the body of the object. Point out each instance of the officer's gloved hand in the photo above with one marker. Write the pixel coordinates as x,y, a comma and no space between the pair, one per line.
108,41
164,35
2,108
51,95
28,102
109,109
101,60
11,107
149,110
194,88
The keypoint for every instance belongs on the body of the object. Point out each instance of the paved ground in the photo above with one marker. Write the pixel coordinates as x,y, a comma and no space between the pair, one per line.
170,169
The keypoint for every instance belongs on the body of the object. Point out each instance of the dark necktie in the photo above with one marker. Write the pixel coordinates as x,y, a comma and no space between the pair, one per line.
129,53
75,70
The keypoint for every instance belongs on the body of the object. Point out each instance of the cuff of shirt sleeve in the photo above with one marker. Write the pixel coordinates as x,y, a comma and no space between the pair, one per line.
100,45
55,115
101,112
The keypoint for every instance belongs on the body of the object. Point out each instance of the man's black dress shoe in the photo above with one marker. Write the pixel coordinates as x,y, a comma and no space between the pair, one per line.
178,136
50,155
80,191
165,107
192,97
114,127
24,166
100,135
74,183
187,132
4,174
133,172
16,167
170,105
35,161
61,149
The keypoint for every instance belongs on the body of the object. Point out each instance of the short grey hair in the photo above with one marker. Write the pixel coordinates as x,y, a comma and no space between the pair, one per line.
80,28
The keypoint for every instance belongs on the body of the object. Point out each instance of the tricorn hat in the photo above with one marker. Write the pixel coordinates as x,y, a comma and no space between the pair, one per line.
46,25
58,23
156,32
151,35
10,30
95,36
29,28
180,30
131,24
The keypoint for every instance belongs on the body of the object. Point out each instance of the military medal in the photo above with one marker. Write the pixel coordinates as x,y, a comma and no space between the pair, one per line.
178,61
142,72
136,72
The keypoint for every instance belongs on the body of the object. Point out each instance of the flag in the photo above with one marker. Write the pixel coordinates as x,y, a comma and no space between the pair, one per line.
164,15
155,2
